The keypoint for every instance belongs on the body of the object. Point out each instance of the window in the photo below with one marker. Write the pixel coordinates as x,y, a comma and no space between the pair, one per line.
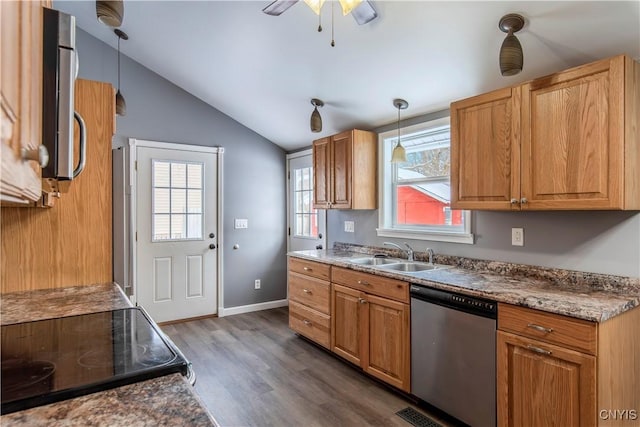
415,195
177,200
306,217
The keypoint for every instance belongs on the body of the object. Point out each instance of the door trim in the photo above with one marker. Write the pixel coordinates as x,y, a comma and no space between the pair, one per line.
133,246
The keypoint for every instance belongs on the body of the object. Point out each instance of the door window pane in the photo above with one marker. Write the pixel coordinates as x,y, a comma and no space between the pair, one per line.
177,200
306,217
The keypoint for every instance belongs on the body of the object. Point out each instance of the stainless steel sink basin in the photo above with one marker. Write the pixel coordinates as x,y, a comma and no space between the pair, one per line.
374,261
409,267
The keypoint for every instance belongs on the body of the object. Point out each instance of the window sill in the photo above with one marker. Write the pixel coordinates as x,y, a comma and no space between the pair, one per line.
426,235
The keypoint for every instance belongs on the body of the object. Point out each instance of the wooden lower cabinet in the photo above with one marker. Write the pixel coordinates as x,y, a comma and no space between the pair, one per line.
560,371
540,384
373,333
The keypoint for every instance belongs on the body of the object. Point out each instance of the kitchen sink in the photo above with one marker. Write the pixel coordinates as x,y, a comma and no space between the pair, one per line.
374,261
409,267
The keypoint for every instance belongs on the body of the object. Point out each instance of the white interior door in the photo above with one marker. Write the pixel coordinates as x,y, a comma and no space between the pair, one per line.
307,226
176,218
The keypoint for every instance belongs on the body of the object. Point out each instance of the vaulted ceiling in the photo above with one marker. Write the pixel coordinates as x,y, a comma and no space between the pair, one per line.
263,70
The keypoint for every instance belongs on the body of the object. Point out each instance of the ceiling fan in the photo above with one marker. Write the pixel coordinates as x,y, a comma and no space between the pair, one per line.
361,10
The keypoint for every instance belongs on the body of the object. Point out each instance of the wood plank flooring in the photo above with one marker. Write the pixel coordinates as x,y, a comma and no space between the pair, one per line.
252,370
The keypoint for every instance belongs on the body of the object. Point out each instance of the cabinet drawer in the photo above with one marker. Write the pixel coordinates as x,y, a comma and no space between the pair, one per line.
372,284
310,268
310,291
313,325
552,328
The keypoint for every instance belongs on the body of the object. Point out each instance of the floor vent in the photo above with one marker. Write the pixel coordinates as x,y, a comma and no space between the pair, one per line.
414,417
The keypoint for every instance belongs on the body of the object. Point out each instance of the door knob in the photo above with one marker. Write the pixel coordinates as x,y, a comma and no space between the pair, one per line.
319,247
212,236
212,246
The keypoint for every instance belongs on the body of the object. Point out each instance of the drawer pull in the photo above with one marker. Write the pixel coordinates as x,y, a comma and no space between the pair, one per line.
306,322
363,282
538,349
308,269
540,328
306,291
362,300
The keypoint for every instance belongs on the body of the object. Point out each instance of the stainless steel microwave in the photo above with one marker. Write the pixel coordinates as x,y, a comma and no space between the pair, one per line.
60,69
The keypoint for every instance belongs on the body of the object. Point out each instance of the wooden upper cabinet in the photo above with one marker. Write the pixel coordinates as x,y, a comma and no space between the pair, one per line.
20,99
344,169
484,159
570,140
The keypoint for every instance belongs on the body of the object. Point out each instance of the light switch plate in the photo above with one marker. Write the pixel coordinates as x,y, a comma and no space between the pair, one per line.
242,223
349,226
517,236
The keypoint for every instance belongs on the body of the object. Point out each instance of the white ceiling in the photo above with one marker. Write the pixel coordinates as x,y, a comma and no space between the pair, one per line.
263,70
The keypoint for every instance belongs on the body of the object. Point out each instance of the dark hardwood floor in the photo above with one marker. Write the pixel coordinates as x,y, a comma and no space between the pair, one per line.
252,370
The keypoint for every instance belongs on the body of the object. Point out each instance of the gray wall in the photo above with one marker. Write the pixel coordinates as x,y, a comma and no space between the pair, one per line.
254,168
593,241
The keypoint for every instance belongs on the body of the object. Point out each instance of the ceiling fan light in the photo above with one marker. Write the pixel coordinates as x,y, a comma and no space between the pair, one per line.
349,5
511,56
110,12
315,5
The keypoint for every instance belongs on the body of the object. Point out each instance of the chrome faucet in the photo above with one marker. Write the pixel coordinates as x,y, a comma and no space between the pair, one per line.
409,249
430,253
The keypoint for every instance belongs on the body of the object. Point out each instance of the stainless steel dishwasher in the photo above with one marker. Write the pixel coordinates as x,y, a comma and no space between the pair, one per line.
453,354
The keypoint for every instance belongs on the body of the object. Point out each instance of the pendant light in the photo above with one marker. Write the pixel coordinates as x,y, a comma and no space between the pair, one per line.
110,12
399,154
121,105
511,56
316,120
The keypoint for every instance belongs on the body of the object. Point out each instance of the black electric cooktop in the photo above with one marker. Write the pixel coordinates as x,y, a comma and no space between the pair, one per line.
56,359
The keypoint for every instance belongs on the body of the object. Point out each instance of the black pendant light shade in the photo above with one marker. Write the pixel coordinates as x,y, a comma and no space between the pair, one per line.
110,12
511,55
121,105
316,120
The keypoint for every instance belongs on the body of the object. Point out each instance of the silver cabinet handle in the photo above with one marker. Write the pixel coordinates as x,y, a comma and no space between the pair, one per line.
514,201
307,269
40,155
540,328
538,349
362,282
306,322
83,144
362,300
524,201
306,291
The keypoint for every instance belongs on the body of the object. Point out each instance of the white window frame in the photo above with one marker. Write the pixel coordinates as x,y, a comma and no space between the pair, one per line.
385,211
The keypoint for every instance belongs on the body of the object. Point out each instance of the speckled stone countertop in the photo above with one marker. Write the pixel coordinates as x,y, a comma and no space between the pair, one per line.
588,296
165,401
17,307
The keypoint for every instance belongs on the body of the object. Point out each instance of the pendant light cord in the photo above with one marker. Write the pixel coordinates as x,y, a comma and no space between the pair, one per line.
398,142
119,63
333,42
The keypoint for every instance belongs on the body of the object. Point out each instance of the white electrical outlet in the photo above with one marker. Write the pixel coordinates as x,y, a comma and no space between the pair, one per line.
257,283
517,236
242,223
349,226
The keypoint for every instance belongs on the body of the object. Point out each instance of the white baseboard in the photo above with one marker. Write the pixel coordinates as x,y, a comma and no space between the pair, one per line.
252,307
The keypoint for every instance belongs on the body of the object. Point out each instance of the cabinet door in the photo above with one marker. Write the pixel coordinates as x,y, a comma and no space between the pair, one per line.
20,98
573,138
347,323
321,173
341,152
485,145
541,384
387,354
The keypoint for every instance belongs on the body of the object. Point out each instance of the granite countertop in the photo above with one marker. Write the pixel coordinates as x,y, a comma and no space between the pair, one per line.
588,296
169,400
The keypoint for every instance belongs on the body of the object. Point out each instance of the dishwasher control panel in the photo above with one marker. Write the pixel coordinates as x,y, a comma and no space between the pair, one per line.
453,300
473,302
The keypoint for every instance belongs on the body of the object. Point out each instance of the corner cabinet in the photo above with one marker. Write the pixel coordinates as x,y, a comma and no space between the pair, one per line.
20,100
344,171
559,371
568,141
370,324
